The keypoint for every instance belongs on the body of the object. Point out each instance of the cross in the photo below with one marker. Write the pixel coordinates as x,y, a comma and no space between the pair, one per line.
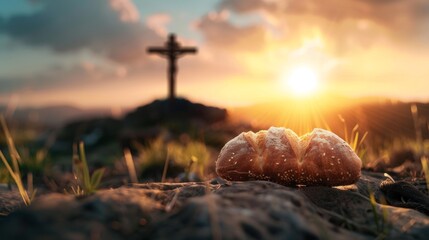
172,51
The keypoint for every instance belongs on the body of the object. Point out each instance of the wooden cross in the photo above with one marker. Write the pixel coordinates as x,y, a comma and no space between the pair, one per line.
172,51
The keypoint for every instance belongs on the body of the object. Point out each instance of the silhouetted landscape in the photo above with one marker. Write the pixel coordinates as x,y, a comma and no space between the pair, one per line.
190,135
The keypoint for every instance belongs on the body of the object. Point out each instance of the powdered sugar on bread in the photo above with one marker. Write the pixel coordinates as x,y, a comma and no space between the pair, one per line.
279,155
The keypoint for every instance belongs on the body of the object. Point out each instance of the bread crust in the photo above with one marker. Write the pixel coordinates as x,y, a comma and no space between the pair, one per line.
319,158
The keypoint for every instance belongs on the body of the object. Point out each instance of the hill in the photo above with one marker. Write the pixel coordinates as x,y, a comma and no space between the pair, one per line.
144,123
52,116
383,119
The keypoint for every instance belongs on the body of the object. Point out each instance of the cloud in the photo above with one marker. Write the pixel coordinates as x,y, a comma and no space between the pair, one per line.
222,34
344,40
158,23
248,5
126,10
402,19
107,27
60,76
8,84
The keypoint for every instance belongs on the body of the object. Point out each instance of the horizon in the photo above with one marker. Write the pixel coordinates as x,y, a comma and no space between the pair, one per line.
302,100
248,52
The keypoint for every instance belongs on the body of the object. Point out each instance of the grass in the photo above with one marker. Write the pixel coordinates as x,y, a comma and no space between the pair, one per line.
356,142
167,161
421,148
26,195
35,162
129,162
381,220
86,183
191,156
13,168
418,133
354,139
154,153
425,168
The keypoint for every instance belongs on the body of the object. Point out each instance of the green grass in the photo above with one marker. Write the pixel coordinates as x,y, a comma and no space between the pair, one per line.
382,225
192,156
86,183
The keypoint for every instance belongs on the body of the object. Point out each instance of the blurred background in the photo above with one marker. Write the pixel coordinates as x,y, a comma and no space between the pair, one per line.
78,70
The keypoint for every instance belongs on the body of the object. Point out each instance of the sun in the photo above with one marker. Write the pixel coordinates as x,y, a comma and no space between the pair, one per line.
301,81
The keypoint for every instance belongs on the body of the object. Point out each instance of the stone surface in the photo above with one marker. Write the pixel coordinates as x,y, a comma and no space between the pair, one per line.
223,210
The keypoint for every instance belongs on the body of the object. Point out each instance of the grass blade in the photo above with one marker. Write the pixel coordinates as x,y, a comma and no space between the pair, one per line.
86,183
130,166
167,160
10,144
17,178
85,169
96,178
425,168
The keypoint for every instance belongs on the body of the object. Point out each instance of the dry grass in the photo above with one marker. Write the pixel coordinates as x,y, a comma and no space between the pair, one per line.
354,139
13,168
425,168
129,162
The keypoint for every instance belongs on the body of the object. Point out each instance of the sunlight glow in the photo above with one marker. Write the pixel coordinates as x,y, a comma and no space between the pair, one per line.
302,81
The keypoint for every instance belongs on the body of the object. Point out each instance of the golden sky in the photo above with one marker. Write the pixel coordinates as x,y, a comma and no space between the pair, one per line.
248,50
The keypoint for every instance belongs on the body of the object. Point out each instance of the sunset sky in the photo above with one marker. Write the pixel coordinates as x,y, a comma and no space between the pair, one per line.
92,53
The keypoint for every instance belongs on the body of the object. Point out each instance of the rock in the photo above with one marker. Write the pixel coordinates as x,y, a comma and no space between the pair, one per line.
109,214
9,201
403,194
269,211
224,210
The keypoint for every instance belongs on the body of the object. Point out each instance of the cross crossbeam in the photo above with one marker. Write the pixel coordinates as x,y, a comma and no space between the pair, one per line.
172,51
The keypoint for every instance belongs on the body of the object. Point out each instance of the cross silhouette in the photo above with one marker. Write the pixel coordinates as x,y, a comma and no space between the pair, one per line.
172,51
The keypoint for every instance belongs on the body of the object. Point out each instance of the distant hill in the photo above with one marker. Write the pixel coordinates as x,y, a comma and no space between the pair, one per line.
53,116
173,118
383,119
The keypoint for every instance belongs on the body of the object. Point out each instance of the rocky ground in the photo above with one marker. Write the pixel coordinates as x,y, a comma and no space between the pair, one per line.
224,210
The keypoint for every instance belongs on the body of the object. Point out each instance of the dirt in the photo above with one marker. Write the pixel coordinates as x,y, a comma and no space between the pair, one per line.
224,210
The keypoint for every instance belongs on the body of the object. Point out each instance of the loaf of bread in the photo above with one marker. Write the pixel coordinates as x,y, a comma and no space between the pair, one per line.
319,158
